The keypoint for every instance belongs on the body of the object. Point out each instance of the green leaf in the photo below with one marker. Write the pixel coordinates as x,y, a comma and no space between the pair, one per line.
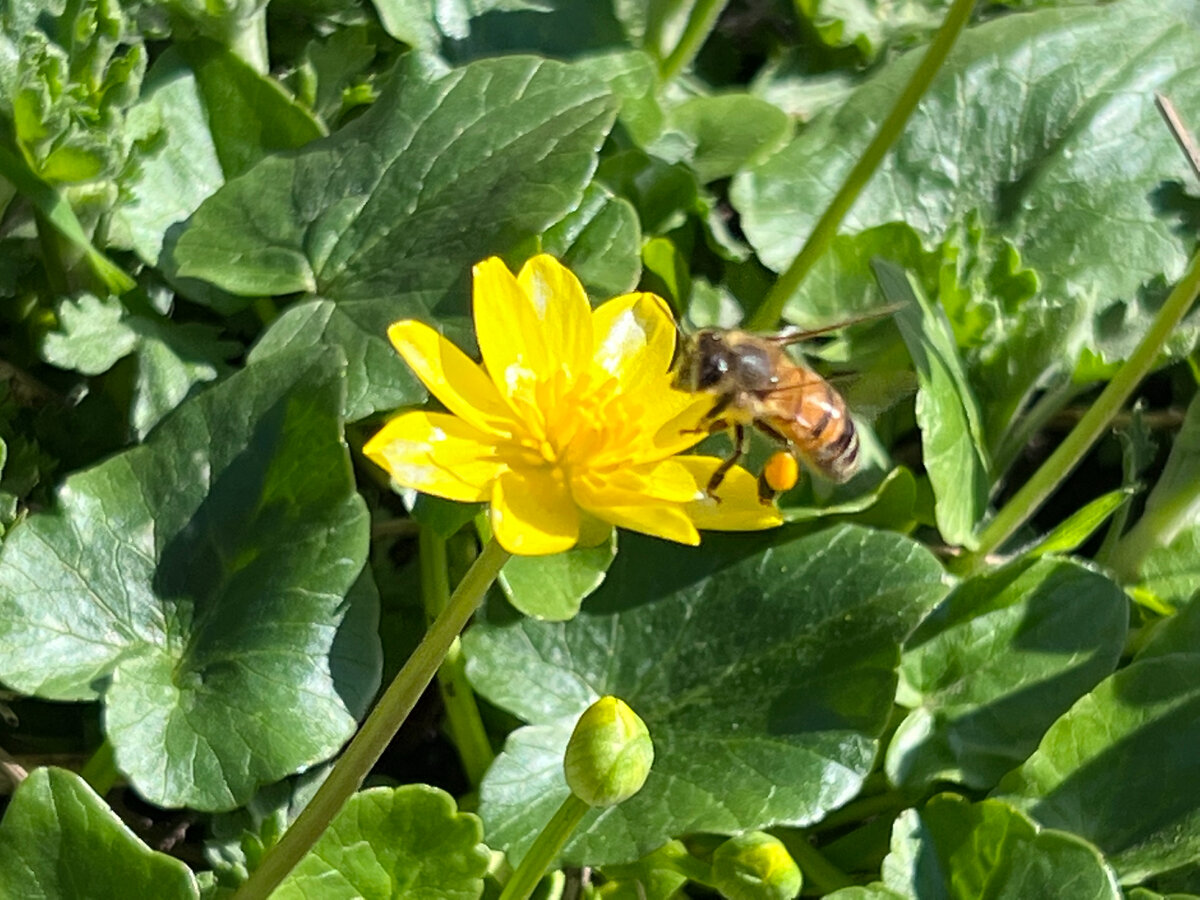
947,412
719,135
250,115
1015,128
91,336
57,211
59,841
868,25
553,587
764,668
1005,655
384,219
953,849
171,359
177,164
197,581
1160,549
237,840
600,241
1073,531
408,841
655,876
874,891
1119,768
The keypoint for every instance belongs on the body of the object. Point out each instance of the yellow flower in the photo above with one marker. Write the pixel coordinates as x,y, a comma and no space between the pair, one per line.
570,426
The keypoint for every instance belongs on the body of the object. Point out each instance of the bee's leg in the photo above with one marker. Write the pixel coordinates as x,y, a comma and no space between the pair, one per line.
741,441
771,432
766,493
720,406
713,420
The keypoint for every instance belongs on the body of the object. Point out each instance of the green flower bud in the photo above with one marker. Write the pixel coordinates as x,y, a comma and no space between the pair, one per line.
755,866
609,754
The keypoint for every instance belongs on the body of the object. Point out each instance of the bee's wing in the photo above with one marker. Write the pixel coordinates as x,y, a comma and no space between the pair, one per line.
870,394
796,335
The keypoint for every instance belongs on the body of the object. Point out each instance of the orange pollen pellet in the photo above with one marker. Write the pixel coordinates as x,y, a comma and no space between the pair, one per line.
781,471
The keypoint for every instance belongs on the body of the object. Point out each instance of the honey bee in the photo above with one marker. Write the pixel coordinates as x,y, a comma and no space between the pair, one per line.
756,383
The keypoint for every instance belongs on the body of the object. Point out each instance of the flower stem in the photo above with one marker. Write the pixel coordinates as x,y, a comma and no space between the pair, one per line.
100,771
700,22
818,871
825,230
545,849
1058,466
377,731
462,712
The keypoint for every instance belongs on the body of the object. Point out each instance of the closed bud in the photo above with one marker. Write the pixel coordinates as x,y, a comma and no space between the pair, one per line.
755,866
609,755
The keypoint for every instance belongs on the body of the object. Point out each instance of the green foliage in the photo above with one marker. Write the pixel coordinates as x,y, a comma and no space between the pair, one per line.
212,212
807,663
394,842
61,841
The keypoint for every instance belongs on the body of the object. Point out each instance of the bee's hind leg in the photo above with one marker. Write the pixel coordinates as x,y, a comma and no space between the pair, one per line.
741,442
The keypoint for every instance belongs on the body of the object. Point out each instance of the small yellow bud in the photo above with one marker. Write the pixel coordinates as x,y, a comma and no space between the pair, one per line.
755,866
609,755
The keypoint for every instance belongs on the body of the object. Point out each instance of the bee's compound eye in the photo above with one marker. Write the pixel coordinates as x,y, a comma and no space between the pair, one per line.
712,357
781,471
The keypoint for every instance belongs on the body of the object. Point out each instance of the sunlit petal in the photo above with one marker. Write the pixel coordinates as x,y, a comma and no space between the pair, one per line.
508,328
438,454
634,340
658,520
461,385
533,513
668,481
562,304
736,506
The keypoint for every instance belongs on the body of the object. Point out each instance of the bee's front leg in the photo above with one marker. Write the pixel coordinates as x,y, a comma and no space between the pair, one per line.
741,443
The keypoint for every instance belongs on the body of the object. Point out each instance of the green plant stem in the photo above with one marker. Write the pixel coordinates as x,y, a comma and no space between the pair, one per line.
703,16
545,849
823,233
100,771
1091,425
51,205
377,731
462,712
863,808
818,871
1030,423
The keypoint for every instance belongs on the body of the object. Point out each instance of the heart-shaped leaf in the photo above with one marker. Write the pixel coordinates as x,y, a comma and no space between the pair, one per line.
953,849
1003,657
1021,125
1120,767
764,703
408,841
197,584
383,220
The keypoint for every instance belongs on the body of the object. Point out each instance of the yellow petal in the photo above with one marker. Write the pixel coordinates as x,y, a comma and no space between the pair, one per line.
667,481
634,340
533,513
508,328
738,508
438,454
451,376
657,520
562,305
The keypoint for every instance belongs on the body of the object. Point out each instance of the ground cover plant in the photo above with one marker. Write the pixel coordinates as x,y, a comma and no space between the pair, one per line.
355,539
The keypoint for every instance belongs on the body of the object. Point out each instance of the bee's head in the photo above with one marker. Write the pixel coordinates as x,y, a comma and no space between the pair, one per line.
702,360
